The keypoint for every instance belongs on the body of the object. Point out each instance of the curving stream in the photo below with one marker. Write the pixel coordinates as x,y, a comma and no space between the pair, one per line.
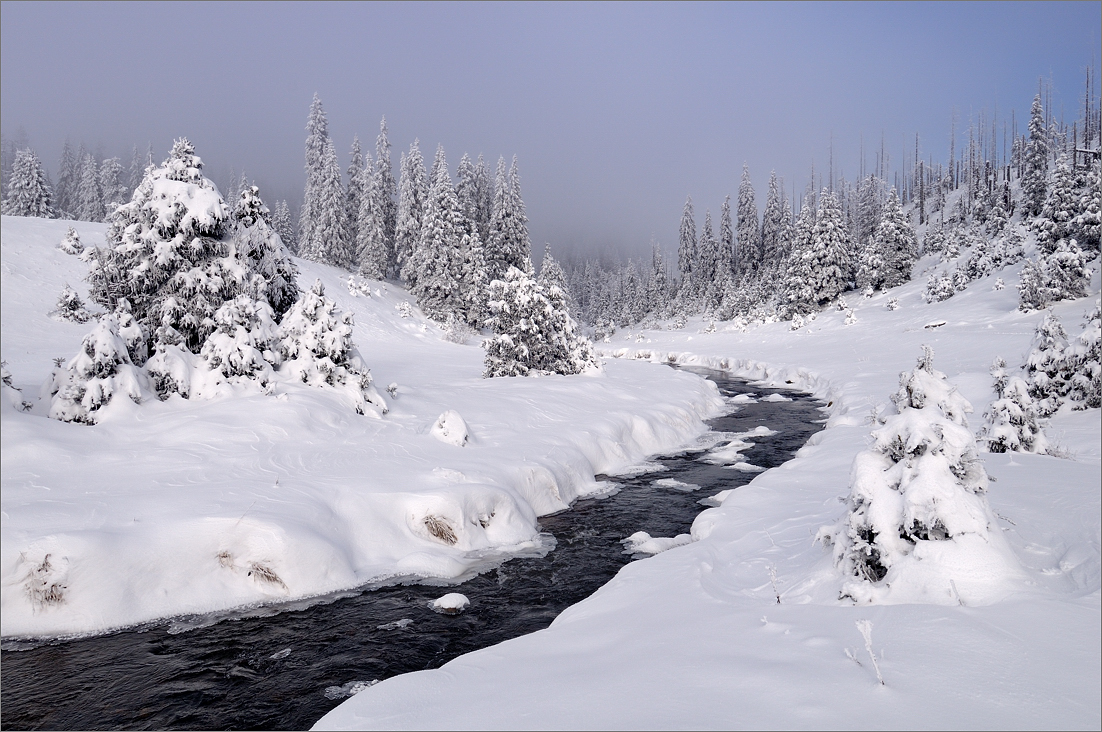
285,669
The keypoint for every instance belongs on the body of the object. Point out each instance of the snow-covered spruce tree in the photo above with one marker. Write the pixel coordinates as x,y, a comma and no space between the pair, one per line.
897,243
71,307
935,240
102,369
939,287
508,245
114,191
553,277
474,283
1088,223
354,193
317,137
1013,422
242,346
708,266
273,276
387,194
728,260
27,192
1035,169
372,250
315,344
327,242
71,244
1055,221
748,241
830,266
687,250
916,514
774,224
1046,367
870,268
413,191
800,298
534,334
284,225
1084,359
1061,275
89,196
65,189
438,258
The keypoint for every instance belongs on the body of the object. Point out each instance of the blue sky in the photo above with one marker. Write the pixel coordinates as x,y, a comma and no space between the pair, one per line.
616,111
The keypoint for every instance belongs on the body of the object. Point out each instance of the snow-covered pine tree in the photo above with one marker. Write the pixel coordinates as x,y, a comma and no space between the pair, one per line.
830,266
1088,224
687,249
800,297
773,225
728,255
1084,360
1013,422
1055,221
896,242
707,254
28,194
484,196
466,188
1035,169
284,225
508,245
317,139
867,211
1046,367
242,346
273,276
438,258
748,241
916,495
326,242
71,307
372,250
114,191
101,370
71,244
412,194
552,279
1061,275
65,189
474,282
870,267
315,344
532,335
89,196
387,195
354,193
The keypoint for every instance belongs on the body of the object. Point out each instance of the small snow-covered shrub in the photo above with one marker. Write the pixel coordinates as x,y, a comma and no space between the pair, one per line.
939,287
71,307
534,334
451,429
999,284
315,341
916,512
893,303
1046,367
12,395
71,243
242,345
1014,424
102,370
851,317
1061,275
797,322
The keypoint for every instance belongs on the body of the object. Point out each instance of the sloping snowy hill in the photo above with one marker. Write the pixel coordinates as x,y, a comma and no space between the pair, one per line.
695,637
204,505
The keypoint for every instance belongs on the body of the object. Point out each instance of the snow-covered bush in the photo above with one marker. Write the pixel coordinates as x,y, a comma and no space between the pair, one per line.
1082,360
939,287
1061,275
1013,421
242,345
916,513
101,370
893,303
315,341
12,395
1046,367
71,307
534,333
71,243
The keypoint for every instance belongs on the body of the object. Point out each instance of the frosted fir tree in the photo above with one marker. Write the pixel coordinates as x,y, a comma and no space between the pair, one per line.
315,345
70,307
284,225
1084,360
867,209
830,265
386,191
28,194
438,258
687,251
326,241
1088,223
317,139
101,371
1035,170
728,260
935,239
71,244
748,241
533,335
466,188
272,275
774,225
1046,367
372,249
1055,221
242,347
474,280
939,287
870,268
1062,275
353,196
799,293
508,245
89,196
168,254
65,190
413,191
707,253
114,190
897,243
1013,421
916,508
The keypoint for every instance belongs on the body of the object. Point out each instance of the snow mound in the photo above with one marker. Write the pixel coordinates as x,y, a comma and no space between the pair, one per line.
776,398
729,453
451,429
643,543
745,467
452,603
677,485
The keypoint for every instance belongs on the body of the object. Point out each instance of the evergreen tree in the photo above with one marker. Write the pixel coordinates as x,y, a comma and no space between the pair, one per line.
1088,223
386,194
326,242
1056,219
484,196
552,278
353,197
1013,422
412,195
65,198
317,140
89,196
438,259
1036,161
829,258
28,193
1084,360
114,191
800,296
896,243
749,235
466,188
773,225
371,246
728,259
1046,367
508,245
284,225
258,243
687,254
1061,275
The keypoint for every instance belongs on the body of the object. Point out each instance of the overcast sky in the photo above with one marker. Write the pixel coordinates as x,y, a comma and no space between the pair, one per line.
617,111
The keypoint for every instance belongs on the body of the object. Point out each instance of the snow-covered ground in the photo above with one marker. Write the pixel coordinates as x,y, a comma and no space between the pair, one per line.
203,506
695,638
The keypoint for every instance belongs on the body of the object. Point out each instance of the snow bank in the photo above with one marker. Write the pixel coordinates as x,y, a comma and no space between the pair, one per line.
187,507
695,637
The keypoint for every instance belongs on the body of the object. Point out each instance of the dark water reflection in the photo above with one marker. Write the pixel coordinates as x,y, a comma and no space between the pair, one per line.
274,672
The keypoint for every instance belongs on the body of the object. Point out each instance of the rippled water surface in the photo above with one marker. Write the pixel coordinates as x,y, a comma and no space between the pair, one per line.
285,670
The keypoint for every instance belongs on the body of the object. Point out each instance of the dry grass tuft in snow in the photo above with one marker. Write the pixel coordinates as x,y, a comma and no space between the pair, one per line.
41,588
441,529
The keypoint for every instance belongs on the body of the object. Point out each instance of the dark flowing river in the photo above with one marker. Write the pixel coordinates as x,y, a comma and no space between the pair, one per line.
281,668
